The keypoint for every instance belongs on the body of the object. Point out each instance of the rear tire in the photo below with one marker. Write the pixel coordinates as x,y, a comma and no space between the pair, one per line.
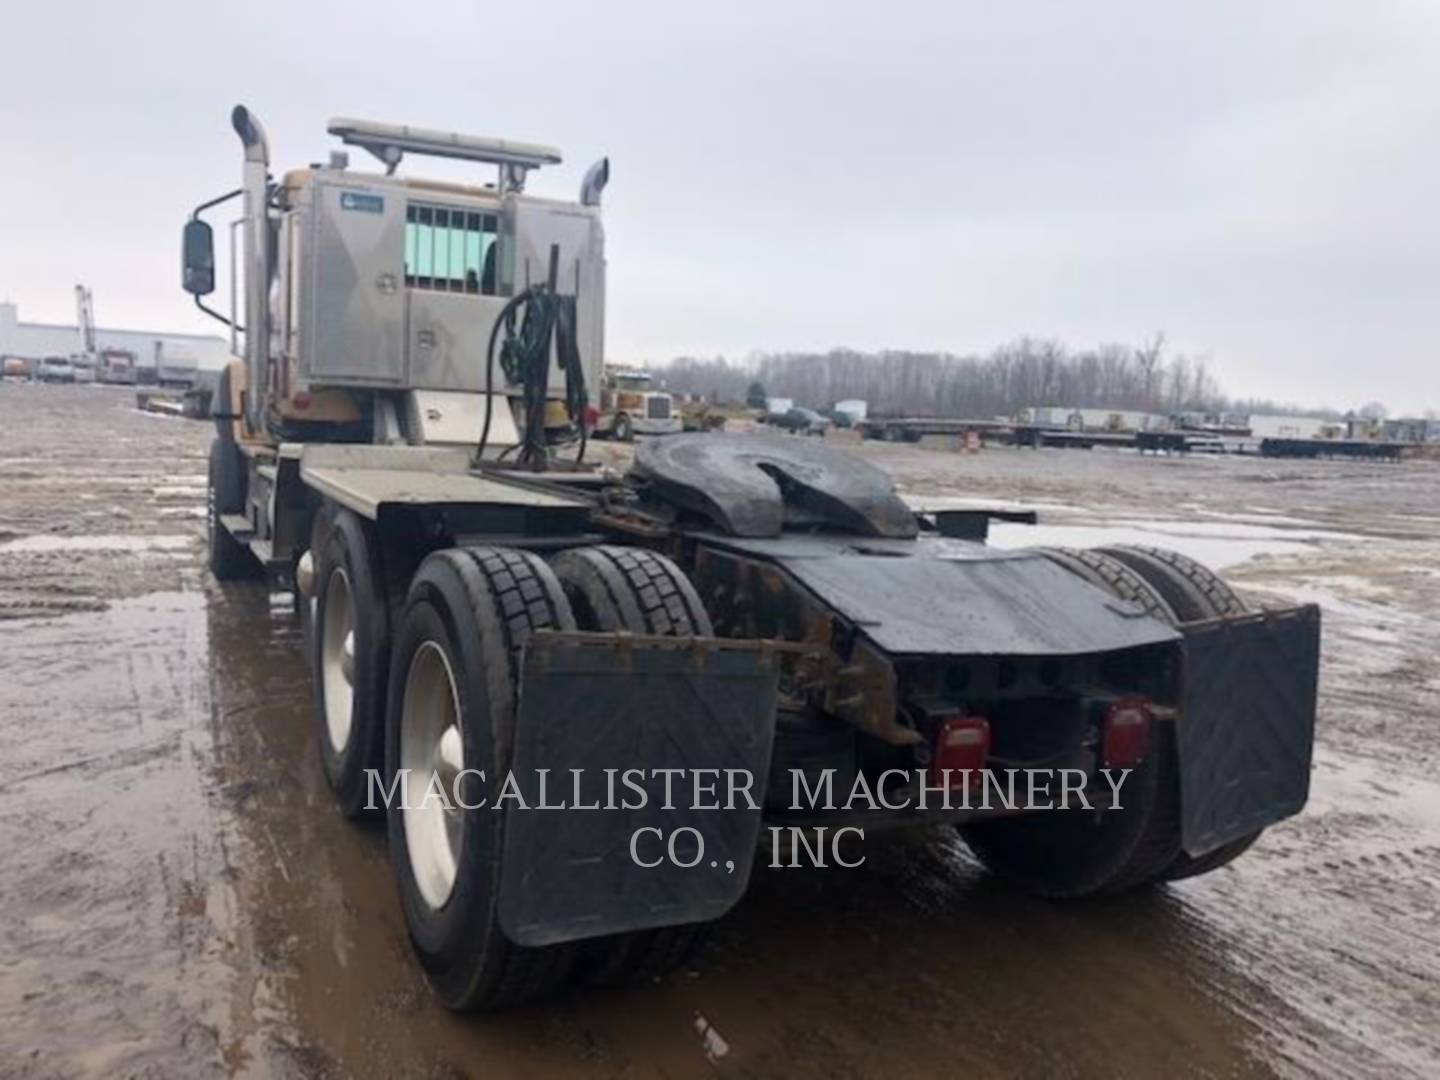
1195,592
1068,854
1192,590
1113,576
452,707
631,589
230,560
350,659
1184,866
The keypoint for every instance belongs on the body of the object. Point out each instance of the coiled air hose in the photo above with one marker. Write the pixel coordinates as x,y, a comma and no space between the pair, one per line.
531,320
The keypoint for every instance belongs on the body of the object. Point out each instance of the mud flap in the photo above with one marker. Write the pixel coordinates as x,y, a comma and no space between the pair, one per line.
611,703
1247,727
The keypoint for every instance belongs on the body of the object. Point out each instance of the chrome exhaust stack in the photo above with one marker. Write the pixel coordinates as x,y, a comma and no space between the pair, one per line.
257,262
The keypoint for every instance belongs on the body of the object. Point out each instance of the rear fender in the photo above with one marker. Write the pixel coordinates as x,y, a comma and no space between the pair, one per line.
598,702
1246,727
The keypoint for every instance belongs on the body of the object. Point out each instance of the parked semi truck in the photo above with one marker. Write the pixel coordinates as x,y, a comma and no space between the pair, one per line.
485,609
55,369
630,405
117,367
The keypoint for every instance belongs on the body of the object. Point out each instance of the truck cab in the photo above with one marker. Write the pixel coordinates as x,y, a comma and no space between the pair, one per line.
55,369
629,405
117,367
378,292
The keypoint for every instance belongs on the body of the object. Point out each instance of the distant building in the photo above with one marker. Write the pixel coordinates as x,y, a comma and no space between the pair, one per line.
34,341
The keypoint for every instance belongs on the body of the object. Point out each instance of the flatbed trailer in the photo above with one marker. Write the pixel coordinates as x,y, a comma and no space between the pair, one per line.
913,429
1367,449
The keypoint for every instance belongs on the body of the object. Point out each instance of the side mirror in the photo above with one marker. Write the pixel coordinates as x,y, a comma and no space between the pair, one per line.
198,258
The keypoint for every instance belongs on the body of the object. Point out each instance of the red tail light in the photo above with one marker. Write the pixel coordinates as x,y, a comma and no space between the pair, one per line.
962,746
1126,738
592,417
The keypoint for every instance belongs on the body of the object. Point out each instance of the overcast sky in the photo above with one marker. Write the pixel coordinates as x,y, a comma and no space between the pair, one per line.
1256,179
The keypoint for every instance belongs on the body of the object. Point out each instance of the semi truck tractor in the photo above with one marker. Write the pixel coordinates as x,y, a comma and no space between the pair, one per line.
630,405
569,661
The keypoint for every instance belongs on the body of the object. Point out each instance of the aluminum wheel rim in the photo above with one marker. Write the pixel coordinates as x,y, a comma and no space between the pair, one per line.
432,749
337,659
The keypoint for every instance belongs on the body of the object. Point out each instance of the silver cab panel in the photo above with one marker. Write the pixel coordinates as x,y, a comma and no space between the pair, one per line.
352,283
394,285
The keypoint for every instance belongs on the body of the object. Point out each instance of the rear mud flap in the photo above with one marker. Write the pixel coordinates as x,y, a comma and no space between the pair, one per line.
639,704
1247,727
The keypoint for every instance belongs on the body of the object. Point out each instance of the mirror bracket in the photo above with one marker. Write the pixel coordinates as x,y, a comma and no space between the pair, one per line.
198,256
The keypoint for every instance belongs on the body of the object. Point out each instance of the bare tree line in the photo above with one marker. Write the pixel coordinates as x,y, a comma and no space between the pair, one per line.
1027,372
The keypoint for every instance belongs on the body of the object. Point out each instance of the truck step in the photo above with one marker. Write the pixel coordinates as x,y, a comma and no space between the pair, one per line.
264,551
238,526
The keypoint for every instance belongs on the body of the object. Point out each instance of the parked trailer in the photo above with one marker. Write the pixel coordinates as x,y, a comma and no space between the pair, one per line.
1179,442
1375,450
194,402
483,609
914,428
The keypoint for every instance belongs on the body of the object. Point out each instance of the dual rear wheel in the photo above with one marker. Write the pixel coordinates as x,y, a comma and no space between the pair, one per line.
445,710
446,702
1067,854
619,588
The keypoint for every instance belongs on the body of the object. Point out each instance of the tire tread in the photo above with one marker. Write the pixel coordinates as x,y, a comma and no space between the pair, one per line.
647,593
513,594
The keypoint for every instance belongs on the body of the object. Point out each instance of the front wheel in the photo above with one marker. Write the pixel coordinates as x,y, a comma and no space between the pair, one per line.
350,644
624,429
450,716
230,560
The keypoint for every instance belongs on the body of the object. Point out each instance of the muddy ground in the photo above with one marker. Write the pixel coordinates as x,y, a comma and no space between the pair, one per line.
178,897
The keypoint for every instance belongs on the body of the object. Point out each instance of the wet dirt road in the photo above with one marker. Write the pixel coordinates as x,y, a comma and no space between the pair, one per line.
178,897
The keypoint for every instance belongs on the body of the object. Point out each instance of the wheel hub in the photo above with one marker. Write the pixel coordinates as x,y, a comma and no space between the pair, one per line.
432,755
337,658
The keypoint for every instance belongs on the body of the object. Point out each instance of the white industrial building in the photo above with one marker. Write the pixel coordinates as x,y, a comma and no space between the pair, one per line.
34,341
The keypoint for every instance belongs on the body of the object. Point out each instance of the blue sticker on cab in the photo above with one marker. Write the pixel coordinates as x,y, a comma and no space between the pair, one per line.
355,200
